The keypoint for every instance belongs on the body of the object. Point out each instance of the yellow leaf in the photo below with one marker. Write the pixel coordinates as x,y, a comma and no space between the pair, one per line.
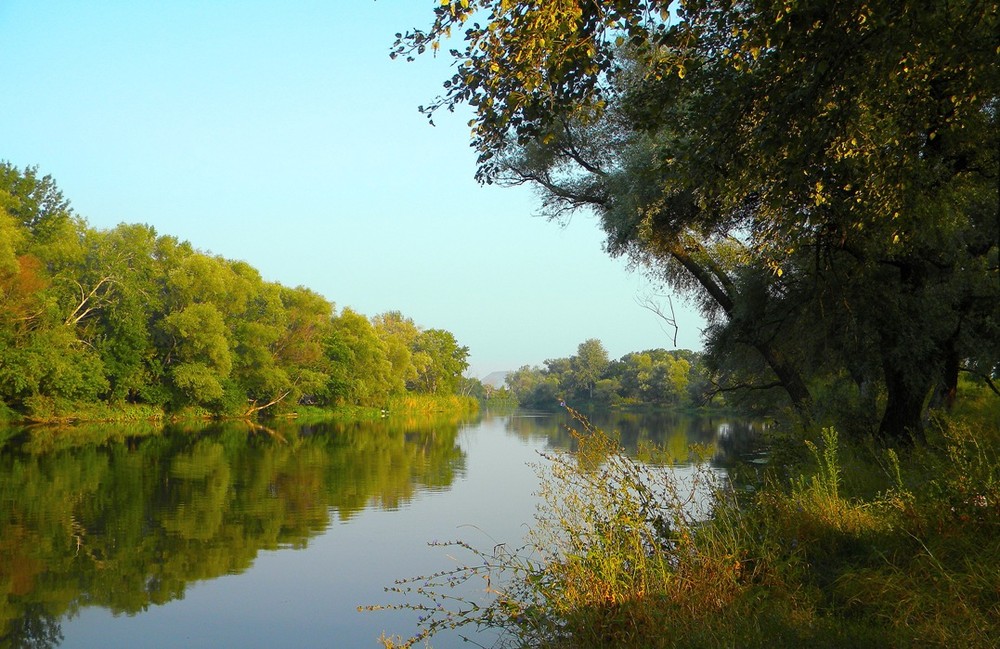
681,71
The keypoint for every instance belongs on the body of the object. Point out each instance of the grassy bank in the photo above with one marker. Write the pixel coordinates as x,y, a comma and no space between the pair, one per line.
399,405
414,403
47,410
852,545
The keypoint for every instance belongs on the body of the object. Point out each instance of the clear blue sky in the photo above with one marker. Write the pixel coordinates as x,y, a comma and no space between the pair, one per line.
282,134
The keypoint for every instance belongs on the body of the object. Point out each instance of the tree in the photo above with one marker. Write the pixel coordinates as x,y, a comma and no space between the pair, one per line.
823,177
200,358
36,203
589,364
361,371
523,381
442,361
300,348
41,357
117,280
399,334
127,316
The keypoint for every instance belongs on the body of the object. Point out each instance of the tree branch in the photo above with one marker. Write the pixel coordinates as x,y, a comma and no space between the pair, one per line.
649,304
80,312
254,408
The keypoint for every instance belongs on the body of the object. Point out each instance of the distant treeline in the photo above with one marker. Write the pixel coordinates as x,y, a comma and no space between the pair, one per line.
654,377
103,318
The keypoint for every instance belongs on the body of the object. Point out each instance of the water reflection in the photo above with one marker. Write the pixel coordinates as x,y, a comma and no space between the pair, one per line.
126,517
726,439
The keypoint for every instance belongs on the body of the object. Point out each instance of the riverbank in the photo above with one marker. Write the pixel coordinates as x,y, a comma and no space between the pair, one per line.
835,543
402,405
61,412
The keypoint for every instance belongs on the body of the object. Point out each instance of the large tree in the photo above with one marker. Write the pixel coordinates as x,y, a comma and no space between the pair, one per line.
440,361
361,371
589,364
821,176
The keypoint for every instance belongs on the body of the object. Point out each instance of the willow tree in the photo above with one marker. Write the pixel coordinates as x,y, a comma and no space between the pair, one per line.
822,177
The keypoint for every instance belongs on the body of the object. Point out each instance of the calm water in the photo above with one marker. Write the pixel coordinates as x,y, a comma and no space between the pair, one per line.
232,536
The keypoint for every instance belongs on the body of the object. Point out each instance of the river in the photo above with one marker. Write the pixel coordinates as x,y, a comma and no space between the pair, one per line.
231,535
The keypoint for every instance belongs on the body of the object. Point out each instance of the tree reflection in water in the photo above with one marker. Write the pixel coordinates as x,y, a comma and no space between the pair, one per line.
127,517
35,629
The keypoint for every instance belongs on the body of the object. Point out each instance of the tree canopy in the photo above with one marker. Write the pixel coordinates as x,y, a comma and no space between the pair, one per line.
655,377
128,316
821,178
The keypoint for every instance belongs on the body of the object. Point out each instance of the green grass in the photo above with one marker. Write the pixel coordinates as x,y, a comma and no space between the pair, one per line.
60,411
48,410
416,403
855,546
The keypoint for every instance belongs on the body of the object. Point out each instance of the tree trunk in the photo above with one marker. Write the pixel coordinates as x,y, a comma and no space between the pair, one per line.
790,378
902,422
948,384
721,288
949,388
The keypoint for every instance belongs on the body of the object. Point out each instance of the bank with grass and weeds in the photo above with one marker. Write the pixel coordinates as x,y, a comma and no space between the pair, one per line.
840,544
62,414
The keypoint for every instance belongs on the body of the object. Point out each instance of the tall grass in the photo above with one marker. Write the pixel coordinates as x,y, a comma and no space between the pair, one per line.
860,547
413,402
51,410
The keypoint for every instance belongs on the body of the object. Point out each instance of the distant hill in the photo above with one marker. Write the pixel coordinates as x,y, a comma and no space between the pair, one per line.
496,379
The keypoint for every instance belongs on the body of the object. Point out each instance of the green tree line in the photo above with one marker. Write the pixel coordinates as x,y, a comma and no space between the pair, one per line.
128,317
656,377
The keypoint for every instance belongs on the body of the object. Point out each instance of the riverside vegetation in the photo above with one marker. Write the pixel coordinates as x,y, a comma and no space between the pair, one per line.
831,544
821,180
126,324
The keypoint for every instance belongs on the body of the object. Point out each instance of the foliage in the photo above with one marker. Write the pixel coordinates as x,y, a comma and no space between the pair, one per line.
654,377
92,321
361,372
821,179
440,361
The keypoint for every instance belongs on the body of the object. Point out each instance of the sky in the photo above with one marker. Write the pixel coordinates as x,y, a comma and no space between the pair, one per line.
281,133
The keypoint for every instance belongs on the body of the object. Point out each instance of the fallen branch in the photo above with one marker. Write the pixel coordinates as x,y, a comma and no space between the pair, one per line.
254,408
